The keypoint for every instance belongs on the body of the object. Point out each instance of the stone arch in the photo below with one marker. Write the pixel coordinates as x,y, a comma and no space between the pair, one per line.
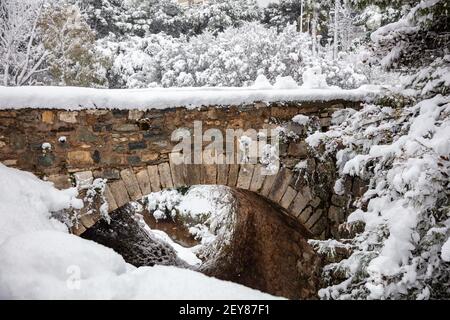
280,189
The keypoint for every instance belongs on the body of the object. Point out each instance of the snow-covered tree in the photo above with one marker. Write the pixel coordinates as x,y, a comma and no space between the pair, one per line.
72,58
22,53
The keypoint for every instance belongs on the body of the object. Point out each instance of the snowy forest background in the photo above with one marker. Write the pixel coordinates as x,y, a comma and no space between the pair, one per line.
148,43
400,144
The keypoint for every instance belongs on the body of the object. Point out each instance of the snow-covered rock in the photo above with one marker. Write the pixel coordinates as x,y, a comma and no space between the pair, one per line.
41,260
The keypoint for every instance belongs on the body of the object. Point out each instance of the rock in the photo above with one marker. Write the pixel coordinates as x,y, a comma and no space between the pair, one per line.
48,117
46,160
288,197
268,251
131,184
107,173
134,160
126,127
336,214
340,201
153,176
61,181
300,202
128,238
79,158
83,179
135,114
149,157
119,192
233,173
144,182
280,185
137,145
298,149
257,179
68,116
165,176
245,176
317,214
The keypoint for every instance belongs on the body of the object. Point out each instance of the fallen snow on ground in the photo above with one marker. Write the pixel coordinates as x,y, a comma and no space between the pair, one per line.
40,260
206,211
74,98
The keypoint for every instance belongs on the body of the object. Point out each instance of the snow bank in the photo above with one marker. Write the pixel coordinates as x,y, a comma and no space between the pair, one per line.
404,155
40,260
74,98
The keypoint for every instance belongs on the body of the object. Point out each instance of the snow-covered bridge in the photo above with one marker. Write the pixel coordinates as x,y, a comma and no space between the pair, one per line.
70,135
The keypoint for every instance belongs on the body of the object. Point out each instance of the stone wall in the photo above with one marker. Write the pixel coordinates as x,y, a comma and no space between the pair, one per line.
130,148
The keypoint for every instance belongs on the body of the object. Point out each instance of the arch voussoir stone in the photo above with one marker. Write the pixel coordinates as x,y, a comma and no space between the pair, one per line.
280,185
144,181
245,176
131,184
153,176
165,175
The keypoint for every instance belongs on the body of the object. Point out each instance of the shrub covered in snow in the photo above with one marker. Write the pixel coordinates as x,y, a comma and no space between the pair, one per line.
404,155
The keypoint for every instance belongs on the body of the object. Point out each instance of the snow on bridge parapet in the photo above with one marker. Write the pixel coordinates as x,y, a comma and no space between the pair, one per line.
74,98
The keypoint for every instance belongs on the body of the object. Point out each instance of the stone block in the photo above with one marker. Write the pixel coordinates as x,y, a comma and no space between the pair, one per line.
233,173
177,170
298,149
222,174
280,185
193,174
257,178
78,229
112,205
267,185
60,181
131,184
79,158
135,114
10,162
339,201
48,117
245,176
317,214
319,227
209,174
300,202
165,175
144,182
288,197
336,214
153,176
149,156
68,116
134,160
137,145
83,179
87,220
304,215
126,127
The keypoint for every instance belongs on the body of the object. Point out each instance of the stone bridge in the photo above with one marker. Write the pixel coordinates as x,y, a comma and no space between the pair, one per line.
132,148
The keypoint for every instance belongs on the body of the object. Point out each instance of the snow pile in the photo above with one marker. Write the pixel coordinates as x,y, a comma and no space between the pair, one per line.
285,83
26,203
40,260
404,154
74,98
262,82
301,119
